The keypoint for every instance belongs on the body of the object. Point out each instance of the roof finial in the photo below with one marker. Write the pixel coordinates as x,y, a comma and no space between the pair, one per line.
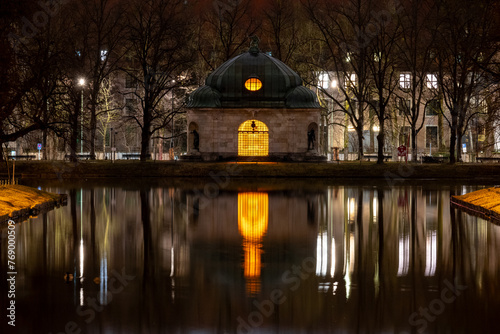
254,45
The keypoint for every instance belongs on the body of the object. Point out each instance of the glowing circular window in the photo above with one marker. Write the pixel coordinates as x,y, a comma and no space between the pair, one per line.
253,84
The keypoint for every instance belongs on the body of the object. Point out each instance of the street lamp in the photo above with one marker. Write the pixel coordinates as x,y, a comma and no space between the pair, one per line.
171,149
81,83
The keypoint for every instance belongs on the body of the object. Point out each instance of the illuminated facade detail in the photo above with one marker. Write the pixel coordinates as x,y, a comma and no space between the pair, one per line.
253,139
253,84
253,215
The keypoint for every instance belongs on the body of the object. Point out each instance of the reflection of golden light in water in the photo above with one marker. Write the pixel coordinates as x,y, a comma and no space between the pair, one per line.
253,212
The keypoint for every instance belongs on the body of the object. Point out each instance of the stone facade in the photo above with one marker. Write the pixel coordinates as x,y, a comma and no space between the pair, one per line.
218,132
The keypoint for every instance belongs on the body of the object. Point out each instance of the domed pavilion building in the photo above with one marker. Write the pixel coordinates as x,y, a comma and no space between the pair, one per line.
253,108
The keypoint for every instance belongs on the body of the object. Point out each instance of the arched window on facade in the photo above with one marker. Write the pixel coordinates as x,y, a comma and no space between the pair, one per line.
253,139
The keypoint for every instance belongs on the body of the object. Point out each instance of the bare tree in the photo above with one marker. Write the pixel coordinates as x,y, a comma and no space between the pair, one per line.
415,52
465,48
224,31
99,31
158,35
30,69
382,64
344,33
108,110
281,28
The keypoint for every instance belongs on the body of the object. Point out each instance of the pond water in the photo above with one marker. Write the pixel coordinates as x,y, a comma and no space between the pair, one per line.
198,256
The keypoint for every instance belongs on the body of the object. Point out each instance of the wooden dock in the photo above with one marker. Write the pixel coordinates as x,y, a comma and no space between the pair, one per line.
484,203
20,202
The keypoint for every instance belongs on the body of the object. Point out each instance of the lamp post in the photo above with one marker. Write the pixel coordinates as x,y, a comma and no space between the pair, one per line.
171,149
81,82
111,144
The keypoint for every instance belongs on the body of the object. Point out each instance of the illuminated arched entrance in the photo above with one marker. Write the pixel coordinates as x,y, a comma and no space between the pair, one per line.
253,213
253,139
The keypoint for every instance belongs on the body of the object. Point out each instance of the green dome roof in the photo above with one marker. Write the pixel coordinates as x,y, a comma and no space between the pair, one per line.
225,87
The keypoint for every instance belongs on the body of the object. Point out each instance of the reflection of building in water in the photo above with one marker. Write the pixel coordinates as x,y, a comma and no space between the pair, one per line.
431,225
367,231
373,247
254,230
403,219
253,214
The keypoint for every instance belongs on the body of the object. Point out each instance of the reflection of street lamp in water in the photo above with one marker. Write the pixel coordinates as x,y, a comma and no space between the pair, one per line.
81,83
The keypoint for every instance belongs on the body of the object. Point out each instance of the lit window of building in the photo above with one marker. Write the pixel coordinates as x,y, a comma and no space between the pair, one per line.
350,80
324,80
405,80
104,55
348,57
432,82
253,84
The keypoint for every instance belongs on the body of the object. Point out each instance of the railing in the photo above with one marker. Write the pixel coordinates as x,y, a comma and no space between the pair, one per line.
131,156
492,159
4,182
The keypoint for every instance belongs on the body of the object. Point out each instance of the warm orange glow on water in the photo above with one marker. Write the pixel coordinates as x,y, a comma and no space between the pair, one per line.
253,213
253,139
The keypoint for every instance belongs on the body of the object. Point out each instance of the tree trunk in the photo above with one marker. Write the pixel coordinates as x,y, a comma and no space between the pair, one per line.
73,140
381,136
146,135
458,144
359,131
44,144
93,129
380,141
453,138
1,152
45,130
489,143
440,132
413,144
372,135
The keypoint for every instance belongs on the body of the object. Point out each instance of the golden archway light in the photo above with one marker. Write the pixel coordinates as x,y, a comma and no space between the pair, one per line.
253,84
253,213
253,139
